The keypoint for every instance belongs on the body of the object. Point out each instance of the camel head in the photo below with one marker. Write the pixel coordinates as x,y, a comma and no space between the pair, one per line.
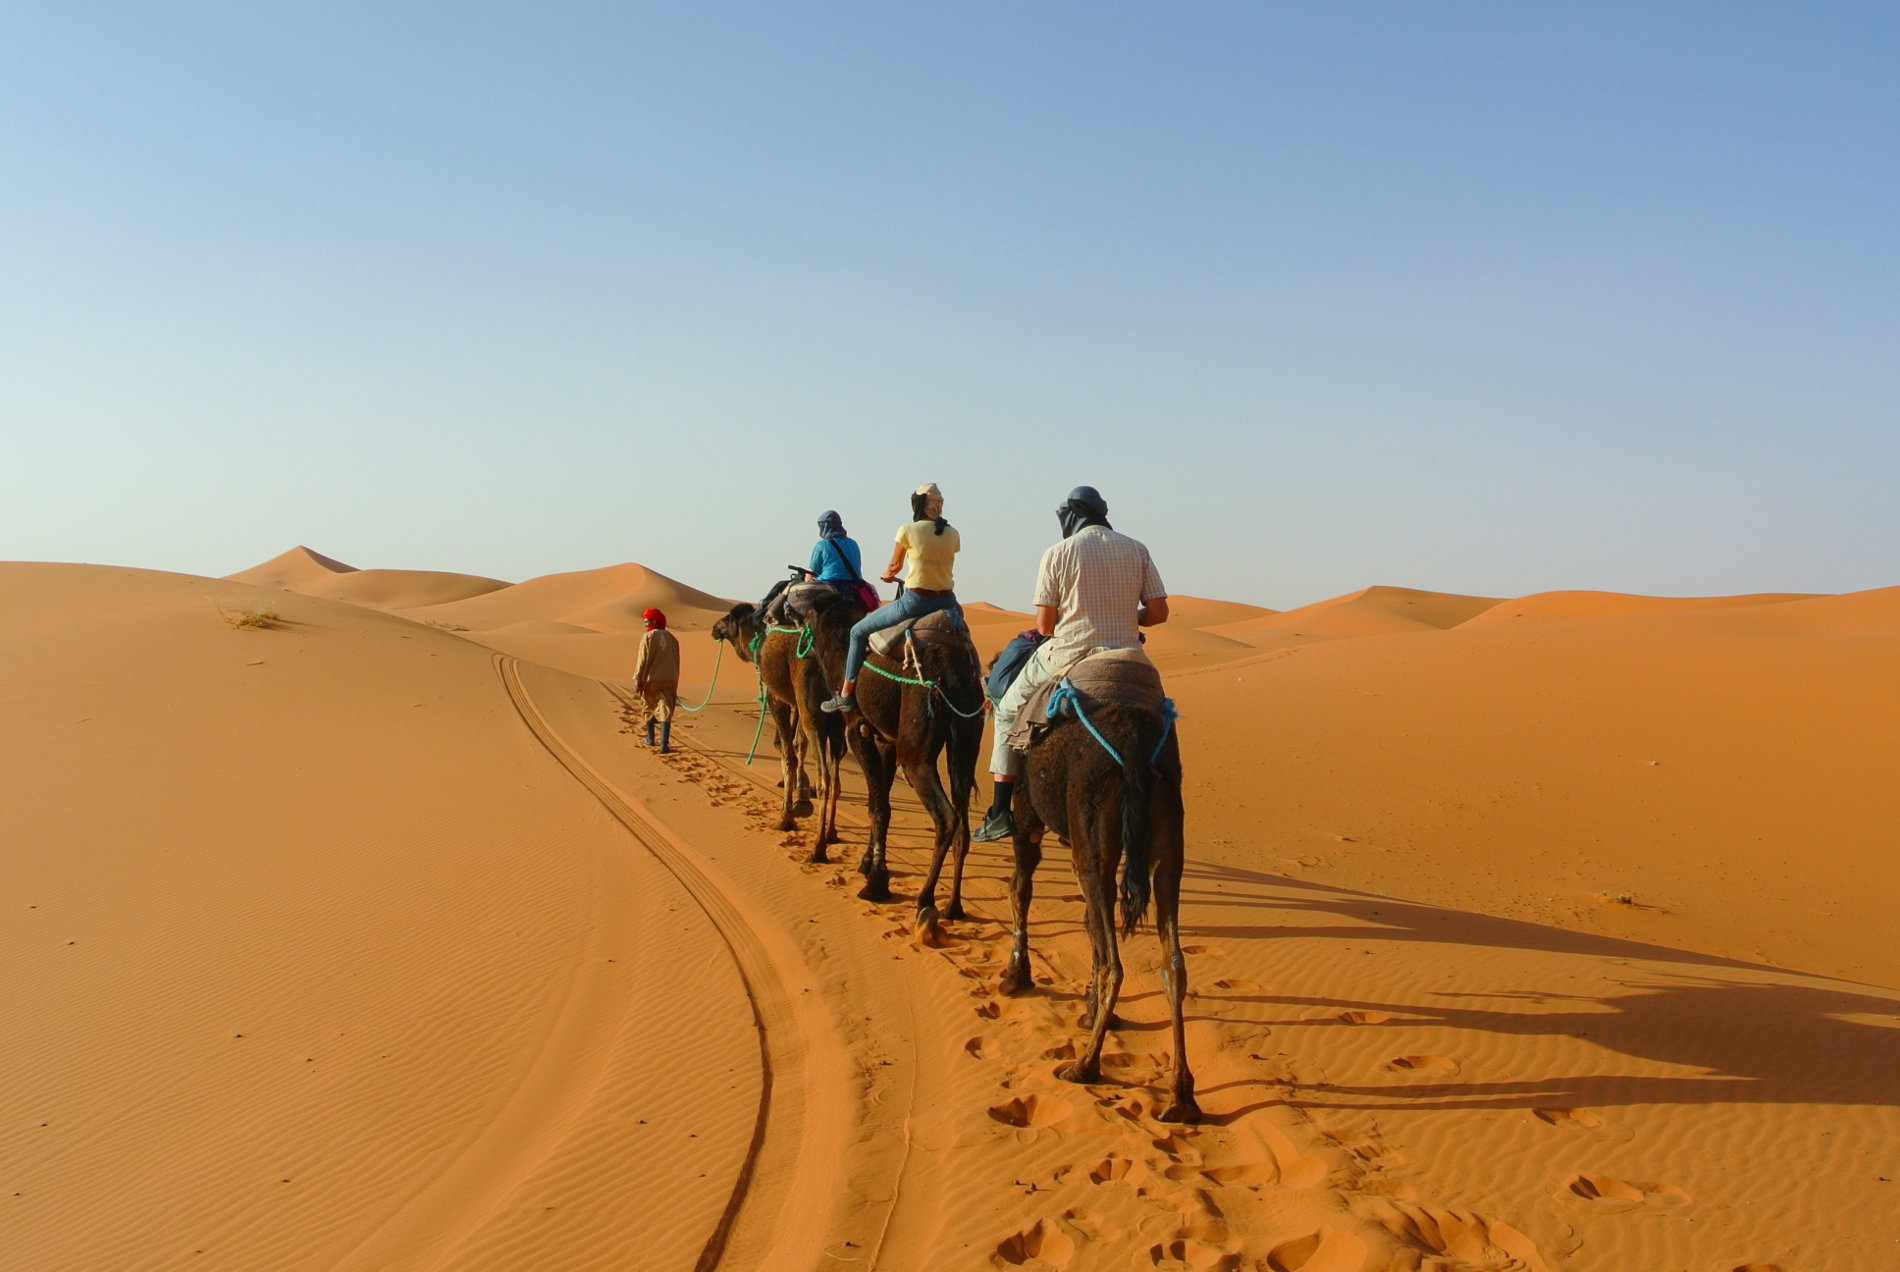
739,625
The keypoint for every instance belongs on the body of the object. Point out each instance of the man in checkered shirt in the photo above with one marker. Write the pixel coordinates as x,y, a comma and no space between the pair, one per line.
1094,590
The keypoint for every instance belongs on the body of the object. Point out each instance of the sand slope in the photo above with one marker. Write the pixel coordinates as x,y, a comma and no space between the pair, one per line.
1564,606
607,599
317,959
1373,611
1719,773
350,943
293,571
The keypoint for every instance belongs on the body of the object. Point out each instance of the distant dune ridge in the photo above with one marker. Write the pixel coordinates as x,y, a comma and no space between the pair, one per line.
611,598
1564,606
1519,934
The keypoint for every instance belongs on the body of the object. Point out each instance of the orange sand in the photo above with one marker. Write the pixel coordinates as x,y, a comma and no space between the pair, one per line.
1534,934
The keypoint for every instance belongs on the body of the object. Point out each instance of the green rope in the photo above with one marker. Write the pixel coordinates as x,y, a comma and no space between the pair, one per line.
717,659
931,685
902,680
758,732
806,639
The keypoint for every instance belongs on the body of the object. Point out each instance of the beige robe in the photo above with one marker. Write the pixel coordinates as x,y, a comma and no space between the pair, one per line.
656,673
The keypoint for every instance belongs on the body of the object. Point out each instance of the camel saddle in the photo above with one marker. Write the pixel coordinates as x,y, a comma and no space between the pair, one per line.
939,627
1099,676
795,604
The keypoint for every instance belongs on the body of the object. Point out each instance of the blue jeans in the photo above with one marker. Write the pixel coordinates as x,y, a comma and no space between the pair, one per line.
909,605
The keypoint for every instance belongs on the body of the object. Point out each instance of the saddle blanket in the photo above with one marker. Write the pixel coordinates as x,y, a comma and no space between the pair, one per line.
794,604
939,627
1099,676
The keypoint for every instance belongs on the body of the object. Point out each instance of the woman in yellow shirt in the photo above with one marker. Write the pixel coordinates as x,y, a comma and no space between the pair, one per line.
925,550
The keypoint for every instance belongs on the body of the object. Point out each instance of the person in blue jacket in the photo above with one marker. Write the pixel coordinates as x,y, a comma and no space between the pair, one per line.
835,559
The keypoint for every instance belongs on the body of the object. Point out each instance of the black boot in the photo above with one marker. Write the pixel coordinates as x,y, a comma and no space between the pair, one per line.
666,738
649,733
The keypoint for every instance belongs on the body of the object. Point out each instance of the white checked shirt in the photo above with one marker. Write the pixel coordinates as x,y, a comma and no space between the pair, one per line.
1096,579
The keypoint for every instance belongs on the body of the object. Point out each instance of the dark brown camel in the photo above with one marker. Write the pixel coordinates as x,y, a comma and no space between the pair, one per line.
1114,816
794,686
906,725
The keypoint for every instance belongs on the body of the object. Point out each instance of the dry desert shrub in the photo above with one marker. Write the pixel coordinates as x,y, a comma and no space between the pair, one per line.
254,617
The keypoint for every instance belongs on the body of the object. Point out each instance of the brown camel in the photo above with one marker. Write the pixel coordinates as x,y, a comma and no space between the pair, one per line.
1112,814
899,724
794,683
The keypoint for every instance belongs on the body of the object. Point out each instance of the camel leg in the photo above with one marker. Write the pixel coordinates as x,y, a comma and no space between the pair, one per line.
785,726
801,805
1105,980
880,769
1027,846
1167,893
962,753
921,772
831,774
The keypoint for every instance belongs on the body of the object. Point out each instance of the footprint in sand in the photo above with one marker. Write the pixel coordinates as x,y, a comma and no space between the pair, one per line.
1249,1173
1118,1170
1130,1060
1041,1241
1177,1146
1195,1256
1031,1111
1461,1236
1759,1267
1061,1051
1363,1018
1327,1250
1570,1117
1234,984
980,1047
1211,951
1090,1226
1422,1064
1622,1194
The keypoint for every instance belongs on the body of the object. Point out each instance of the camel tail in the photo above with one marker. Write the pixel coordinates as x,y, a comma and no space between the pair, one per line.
1137,791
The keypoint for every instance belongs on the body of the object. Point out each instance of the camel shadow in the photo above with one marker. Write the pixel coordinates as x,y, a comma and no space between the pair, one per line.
1741,1033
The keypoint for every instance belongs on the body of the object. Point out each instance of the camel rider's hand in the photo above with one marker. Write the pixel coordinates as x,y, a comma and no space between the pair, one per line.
888,578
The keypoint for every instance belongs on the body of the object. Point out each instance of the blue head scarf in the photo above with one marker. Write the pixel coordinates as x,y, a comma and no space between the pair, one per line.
831,526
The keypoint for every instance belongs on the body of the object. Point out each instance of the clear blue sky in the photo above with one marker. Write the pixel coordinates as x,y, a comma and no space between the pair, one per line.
1489,298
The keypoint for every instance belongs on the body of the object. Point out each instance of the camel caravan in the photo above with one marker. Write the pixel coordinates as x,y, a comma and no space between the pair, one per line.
1083,737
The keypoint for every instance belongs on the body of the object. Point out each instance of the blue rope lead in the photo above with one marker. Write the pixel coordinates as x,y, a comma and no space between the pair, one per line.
1168,716
1067,696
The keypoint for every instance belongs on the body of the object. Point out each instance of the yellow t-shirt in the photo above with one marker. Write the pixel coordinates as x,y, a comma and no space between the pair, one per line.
928,556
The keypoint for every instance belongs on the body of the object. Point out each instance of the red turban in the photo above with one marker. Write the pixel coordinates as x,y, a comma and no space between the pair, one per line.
653,617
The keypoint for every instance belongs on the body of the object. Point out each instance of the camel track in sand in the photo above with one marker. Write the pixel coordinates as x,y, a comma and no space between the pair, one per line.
788,1035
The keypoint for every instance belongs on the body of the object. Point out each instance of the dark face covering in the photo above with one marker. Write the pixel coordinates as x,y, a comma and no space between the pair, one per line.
1076,513
831,526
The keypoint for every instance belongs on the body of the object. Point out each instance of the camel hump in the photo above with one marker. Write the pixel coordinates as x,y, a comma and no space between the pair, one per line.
939,627
1118,675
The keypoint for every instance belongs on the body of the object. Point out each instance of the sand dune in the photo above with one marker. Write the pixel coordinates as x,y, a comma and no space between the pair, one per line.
1374,611
1199,612
981,613
352,942
292,571
313,574
1565,606
603,599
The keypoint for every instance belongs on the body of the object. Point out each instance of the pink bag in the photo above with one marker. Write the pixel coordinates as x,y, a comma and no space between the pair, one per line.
868,595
